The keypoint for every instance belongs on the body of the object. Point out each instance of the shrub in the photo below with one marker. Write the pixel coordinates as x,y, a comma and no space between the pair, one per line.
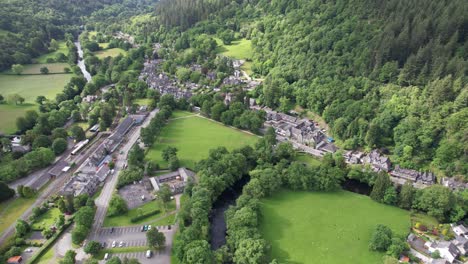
145,215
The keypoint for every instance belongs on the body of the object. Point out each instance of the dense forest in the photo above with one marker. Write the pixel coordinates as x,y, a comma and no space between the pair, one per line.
27,27
383,74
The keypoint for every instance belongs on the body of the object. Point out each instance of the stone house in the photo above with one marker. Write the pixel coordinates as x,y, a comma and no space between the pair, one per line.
447,249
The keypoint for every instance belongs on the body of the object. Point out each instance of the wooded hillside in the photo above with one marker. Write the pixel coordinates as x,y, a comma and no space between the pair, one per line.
383,74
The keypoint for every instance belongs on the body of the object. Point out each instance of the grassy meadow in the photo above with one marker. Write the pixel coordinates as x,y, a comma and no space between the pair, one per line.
239,49
62,49
314,227
110,53
194,136
29,87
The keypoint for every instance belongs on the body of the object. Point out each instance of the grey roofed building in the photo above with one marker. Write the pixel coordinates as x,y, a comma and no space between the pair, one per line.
176,179
454,184
82,183
98,155
462,244
439,261
124,127
378,161
446,249
406,174
426,177
329,147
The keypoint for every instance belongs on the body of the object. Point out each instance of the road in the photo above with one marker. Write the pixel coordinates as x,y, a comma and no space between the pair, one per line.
53,188
102,201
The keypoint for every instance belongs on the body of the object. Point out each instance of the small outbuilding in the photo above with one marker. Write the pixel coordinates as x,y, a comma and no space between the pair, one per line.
15,260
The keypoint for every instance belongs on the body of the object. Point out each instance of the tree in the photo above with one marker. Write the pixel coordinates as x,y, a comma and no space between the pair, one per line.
390,196
54,45
406,196
5,192
42,141
164,195
136,156
381,238
59,146
60,220
79,234
2,99
17,68
155,238
69,258
78,133
41,99
397,247
59,132
435,254
174,163
15,99
44,70
22,228
61,205
168,152
85,216
92,247
117,206
382,183
114,260
436,200
198,251
251,251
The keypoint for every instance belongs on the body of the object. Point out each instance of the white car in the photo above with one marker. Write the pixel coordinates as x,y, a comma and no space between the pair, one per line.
121,244
149,227
113,244
28,250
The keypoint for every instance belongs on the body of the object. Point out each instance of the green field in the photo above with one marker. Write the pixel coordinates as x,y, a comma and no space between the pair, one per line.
56,67
110,52
47,219
124,220
28,86
194,136
11,211
239,49
306,227
62,49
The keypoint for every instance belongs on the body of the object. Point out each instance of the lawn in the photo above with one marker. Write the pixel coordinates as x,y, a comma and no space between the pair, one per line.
47,219
110,52
142,101
12,210
307,227
62,48
29,87
194,137
308,159
167,220
47,258
124,220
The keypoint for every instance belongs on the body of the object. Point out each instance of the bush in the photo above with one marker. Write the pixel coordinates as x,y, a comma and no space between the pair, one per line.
145,215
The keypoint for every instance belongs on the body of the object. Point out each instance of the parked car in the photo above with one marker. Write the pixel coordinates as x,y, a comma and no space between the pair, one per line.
146,228
112,230
149,227
149,254
121,244
142,228
104,244
106,256
28,250
113,244
169,227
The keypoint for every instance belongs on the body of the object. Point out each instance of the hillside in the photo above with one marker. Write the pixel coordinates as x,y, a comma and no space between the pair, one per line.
383,74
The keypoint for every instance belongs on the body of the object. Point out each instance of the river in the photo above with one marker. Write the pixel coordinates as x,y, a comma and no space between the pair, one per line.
217,222
81,63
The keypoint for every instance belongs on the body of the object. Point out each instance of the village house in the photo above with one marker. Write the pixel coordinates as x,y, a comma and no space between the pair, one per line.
377,161
15,260
460,230
426,178
454,184
447,249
